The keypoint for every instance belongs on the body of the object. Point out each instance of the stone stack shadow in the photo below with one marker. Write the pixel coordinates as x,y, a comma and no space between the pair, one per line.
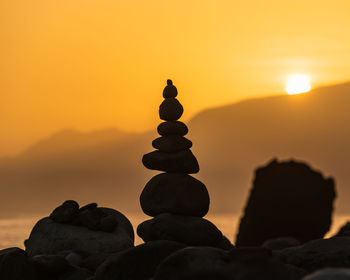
177,201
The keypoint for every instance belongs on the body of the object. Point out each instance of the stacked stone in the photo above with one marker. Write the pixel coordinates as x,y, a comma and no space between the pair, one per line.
176,200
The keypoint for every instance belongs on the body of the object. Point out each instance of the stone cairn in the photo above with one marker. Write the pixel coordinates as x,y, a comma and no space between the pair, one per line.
176,200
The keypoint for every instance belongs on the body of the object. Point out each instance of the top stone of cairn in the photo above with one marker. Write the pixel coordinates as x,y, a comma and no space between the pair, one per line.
170,90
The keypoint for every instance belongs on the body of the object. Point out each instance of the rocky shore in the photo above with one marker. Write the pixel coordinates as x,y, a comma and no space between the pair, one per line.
281,234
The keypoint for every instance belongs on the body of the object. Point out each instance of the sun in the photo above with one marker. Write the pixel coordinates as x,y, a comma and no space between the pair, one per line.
298,83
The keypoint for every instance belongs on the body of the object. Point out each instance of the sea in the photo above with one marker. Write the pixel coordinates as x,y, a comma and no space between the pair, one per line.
13,231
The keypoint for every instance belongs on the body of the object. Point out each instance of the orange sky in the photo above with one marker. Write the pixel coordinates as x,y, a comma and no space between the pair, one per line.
90,64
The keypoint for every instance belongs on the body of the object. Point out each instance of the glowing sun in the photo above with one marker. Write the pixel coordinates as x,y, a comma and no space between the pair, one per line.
298,83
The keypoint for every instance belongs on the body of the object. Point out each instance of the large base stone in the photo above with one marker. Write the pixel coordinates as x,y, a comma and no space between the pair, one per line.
174,193
192,231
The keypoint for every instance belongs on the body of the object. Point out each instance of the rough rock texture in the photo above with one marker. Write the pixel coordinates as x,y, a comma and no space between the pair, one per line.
50,265
194,263
258,263
176,194
170,109
198,263
280,243
287,199
138,263
172,128
171,143
48,237
330,274
317,254
179,162
14,265
192,231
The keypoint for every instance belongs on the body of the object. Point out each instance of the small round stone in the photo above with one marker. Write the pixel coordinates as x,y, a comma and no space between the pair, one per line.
170,90
171,143
174,193
172,128
170,109
66,212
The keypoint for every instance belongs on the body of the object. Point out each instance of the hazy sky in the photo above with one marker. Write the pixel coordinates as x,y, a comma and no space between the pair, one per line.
90,64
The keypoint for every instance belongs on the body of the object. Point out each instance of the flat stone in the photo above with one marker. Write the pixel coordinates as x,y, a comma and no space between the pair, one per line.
172,128
179,162
175,193
192,231
171,143
170,109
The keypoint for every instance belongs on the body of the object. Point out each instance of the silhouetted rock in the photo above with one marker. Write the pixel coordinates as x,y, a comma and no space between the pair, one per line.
317,254
174,193
48,237
66,212
280,243
90,219
108,223
92,262
287,199
14,265
179,162
329,274
50,265
75,273
225,244
172,128
170,90
74,259
90,206
192,231
170,109
258,263
138,263
195,263
171,143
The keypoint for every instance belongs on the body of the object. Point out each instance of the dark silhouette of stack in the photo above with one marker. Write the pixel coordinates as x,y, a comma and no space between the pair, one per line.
176,200
288,199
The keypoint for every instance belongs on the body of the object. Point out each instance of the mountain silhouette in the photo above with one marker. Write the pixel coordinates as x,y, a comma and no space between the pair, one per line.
230,142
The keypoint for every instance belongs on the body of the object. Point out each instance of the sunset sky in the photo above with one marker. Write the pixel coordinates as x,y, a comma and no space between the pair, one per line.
92,64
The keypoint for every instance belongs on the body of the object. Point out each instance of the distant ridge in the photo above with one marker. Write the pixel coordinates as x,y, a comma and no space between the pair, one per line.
230,142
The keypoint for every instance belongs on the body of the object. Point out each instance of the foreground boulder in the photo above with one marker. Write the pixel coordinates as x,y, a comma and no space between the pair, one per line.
330,274
288,199
14,265
199,263
318,254
49,237
138,263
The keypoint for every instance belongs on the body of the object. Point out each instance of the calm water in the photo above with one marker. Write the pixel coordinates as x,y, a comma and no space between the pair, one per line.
14,231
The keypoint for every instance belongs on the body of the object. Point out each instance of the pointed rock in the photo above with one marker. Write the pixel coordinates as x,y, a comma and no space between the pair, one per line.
179,162
174,193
